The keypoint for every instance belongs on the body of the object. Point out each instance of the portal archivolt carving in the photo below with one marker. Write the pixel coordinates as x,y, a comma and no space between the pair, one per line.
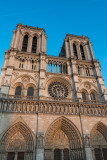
18,140
63,135
18,135
99,141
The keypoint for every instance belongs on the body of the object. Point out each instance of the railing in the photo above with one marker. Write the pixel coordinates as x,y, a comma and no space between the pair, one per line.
55,99
55,65
55,106
26,62
85,70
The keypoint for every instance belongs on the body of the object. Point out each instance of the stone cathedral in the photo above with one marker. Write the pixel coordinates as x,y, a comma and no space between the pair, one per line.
52,108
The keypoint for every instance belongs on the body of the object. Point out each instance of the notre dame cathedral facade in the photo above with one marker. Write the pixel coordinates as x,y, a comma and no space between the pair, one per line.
52,108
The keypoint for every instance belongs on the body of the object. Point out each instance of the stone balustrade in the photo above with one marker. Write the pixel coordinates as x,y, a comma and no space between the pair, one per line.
56,65
85,70
53,65
55,106
27,63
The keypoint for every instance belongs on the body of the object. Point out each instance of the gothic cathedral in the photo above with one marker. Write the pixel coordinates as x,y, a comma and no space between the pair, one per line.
52,108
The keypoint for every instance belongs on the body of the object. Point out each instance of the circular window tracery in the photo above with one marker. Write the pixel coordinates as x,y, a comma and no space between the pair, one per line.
58,90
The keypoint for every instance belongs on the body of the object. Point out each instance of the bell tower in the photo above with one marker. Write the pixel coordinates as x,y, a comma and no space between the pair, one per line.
84,66
27,42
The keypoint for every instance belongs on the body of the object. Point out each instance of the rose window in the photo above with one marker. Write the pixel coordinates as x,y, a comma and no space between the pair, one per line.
58,90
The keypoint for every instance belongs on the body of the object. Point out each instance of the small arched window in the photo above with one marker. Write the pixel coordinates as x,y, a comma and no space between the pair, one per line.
75,51
92,95
32,64
84,96
25,42
34,44
18,91
82,52
30,92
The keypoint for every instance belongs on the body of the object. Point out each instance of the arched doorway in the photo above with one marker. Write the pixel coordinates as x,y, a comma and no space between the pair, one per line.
17,143
99,141
57,154
66,154
63,140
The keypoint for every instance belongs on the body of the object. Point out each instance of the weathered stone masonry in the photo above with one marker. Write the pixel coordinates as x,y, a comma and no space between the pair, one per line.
52,108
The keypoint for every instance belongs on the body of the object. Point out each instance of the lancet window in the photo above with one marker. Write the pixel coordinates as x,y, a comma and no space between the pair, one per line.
75,51
82,52
18,91
21,64
25,43
84,96
34,44
92,95
30,92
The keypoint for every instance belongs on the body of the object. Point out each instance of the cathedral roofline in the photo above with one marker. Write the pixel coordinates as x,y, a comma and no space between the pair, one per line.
76,36
30,27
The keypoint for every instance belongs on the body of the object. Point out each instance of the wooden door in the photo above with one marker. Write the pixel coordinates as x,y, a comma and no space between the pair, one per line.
66,154
10,155
97,152
57,154
104,150
20,156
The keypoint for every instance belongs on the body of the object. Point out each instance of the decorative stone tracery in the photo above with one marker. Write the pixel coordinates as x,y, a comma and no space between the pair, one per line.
17,138
58,90
99,141
62,134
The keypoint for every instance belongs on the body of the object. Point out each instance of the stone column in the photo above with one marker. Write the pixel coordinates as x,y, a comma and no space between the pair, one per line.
44,44
88,147
13,39
71,48
86,52
68,67
66,48
61,154
8,74
16,38
42,75
16,156
78,50
100,82
29,47
91,49
39,44
75,81
40,148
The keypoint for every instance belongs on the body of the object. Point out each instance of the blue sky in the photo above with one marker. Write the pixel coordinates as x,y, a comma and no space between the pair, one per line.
58,17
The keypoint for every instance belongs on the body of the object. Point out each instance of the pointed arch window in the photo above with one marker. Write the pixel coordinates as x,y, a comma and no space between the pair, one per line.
30,92
18,91
75,50
34,44
84,96
92,95
25,43
82,52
